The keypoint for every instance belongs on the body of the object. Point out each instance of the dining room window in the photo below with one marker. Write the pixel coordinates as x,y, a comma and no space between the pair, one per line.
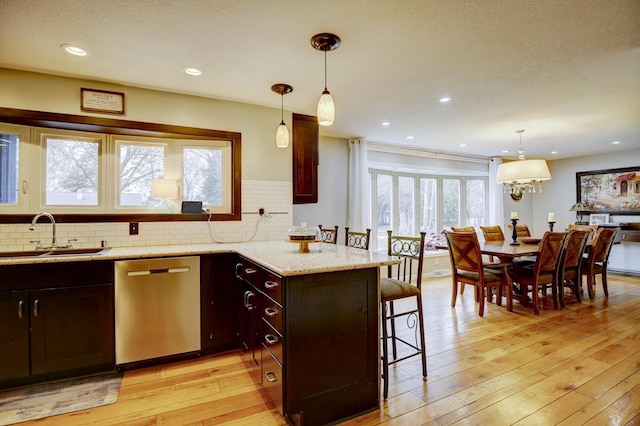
408,203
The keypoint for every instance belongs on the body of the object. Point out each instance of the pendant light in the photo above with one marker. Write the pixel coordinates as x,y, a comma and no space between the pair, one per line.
326,106
282,134
522,175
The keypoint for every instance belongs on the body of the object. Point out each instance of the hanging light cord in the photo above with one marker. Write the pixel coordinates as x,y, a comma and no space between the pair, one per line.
325,69
521,152
282,107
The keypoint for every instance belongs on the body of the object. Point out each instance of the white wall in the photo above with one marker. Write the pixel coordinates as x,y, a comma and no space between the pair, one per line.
331,208
266,169
261,159
559,194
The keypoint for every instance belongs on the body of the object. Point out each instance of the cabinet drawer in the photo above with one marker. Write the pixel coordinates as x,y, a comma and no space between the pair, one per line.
271,285
272,379
630,236
272,313
272,340
264,280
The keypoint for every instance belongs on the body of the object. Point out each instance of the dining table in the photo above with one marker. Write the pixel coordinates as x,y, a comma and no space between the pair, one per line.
508,253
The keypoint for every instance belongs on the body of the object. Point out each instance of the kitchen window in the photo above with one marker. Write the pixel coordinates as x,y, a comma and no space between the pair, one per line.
97,176
138,164
13,167
71,169
408,203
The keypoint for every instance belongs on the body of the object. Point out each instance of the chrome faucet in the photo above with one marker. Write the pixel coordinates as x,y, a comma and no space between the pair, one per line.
54,242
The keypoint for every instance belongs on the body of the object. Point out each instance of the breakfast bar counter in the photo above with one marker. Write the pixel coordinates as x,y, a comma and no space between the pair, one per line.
308,323
282,257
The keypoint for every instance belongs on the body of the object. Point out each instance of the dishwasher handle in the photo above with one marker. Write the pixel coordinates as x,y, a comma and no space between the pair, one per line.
158,271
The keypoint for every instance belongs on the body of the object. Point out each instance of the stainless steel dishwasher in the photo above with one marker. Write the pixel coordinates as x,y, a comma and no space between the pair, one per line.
157,306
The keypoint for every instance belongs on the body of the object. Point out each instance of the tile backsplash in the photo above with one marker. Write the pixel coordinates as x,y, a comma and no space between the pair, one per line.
274,196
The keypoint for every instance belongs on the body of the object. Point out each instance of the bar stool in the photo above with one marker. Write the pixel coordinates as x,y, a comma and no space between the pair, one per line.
329,235
357,239
400,285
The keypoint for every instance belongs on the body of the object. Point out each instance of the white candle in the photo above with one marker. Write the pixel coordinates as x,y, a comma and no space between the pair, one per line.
552,217
514,215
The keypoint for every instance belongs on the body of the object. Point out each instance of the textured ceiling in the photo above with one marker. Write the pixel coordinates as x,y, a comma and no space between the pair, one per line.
566,71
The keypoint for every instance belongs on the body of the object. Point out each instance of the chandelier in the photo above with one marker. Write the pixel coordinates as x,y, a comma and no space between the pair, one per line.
523,175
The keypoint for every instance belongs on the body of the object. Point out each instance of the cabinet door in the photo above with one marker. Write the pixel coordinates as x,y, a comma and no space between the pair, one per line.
14,334
72,328
331,356
305,159
217,300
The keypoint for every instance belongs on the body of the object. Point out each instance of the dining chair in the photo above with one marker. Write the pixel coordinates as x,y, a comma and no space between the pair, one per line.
468,269
570,275
329,235
521,230
357,239
598,258
403,281
544,272
463,229
492,233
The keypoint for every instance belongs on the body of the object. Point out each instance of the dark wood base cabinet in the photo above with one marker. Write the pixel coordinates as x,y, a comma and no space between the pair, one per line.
56,320
217,298
318,341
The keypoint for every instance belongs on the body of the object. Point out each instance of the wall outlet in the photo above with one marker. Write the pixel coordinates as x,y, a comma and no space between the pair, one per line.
261,211
133,228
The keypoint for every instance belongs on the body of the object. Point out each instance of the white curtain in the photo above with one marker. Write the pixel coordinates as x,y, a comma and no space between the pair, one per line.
496,207
359,193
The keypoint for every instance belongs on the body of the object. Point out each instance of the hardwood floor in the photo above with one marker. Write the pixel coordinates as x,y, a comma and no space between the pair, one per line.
580,365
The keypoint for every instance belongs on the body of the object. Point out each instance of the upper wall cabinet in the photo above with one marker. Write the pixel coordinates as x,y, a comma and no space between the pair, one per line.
305,159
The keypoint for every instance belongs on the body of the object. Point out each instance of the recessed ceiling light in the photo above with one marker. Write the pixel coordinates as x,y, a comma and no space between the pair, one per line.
462,145
505,151
444,99
410,137
385,123
74,49
554,152
615,142
192,71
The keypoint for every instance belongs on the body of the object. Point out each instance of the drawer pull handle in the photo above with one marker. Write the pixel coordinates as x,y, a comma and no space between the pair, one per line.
250,271
271,339
271,376
270,312
36,304
239,266
270,285
20,308
247,302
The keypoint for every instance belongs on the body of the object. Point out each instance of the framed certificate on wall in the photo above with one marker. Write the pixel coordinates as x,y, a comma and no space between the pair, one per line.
92,100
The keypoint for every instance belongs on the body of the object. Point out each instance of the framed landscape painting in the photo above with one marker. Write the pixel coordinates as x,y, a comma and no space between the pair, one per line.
612,191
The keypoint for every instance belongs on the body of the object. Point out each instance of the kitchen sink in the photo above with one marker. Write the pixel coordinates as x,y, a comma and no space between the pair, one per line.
28,253
75,251
55,252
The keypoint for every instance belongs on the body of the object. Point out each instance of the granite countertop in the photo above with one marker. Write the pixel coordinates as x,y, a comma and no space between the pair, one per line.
281,257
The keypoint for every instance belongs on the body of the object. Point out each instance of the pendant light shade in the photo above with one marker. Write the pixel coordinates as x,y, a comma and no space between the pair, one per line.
282,134
523,175
326,109
326,106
